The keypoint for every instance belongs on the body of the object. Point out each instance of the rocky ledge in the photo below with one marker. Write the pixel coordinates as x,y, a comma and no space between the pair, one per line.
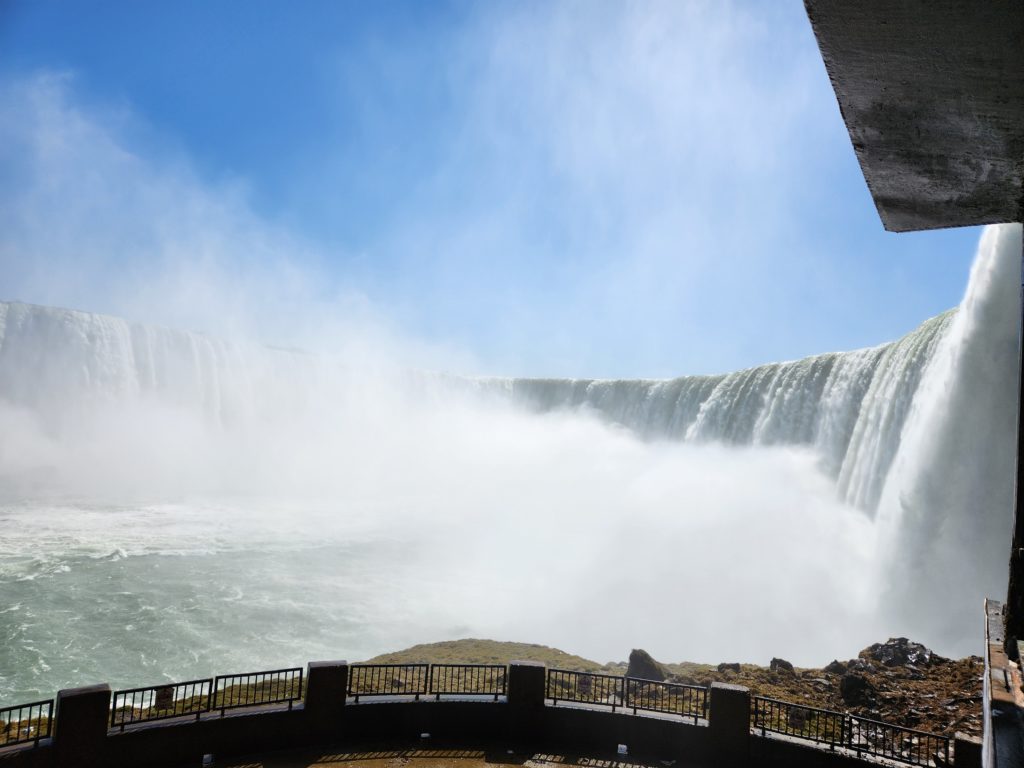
898,681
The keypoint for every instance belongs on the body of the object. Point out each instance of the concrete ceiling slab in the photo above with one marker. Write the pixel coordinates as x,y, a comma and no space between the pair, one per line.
932,93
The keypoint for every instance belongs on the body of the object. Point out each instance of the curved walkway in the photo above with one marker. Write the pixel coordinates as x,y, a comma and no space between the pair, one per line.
426,758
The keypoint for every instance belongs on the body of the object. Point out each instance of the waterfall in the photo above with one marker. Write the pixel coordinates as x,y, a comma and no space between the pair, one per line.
918,434
849,407
946,509
934,404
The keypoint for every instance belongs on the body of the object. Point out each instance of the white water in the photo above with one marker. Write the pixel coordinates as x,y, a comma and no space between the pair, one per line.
178,505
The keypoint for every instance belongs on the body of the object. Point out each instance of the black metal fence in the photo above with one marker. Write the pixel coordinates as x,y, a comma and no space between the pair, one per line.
24,723
627,692
870,737
670,698
837,729
254,689
160,702
585,688
467,680
388,680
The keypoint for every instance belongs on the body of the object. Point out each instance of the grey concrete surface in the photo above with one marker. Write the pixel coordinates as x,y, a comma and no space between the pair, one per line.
932,93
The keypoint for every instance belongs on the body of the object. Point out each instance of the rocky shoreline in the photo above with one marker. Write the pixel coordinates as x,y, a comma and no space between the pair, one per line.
898,681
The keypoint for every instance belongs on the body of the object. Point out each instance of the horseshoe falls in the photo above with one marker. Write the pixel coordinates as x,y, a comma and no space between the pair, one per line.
848,407
175,505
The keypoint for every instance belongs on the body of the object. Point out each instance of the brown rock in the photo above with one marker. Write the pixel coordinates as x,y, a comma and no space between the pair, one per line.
856,689
836,668
780,665
643,666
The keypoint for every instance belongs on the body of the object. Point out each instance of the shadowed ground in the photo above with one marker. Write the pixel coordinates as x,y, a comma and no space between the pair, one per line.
425,758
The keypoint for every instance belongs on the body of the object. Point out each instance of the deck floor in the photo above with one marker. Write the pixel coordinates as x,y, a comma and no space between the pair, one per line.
426,758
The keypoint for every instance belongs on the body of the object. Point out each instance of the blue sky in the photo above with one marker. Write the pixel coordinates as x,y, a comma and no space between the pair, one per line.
570,188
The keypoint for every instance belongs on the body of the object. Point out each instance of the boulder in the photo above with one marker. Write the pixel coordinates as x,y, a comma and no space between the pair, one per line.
643,666
899,652
780,665
856,689
836,668
860,665
729,666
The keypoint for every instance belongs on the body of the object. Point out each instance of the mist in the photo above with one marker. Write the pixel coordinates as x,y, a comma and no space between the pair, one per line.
225,457
393,518
205,503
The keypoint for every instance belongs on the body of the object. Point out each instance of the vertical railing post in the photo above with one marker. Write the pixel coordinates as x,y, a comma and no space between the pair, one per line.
966,751
526,692
80,727
326,695
729,725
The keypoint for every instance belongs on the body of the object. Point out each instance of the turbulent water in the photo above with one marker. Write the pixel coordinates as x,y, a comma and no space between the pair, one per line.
175,504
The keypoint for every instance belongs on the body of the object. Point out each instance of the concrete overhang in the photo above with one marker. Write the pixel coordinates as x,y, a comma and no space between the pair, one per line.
932,93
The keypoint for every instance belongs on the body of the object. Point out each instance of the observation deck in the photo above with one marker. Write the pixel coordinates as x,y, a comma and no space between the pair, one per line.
332,712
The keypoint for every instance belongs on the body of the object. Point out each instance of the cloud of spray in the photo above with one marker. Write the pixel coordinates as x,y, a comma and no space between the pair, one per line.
552,528
99,215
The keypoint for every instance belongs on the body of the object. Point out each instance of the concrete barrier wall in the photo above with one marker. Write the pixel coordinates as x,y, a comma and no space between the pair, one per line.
82,738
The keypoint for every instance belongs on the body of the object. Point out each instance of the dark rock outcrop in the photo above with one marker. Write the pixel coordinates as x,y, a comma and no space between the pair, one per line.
729,666
899,652
856,689
780,665
836,668
643,666
860,665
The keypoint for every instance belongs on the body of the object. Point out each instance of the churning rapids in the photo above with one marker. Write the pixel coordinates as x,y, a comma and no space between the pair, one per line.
174,505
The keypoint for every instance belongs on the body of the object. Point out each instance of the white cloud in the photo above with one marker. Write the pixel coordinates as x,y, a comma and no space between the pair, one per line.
97,216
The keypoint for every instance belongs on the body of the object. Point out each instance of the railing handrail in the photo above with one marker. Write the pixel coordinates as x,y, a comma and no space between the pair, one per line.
470,666
421,676
929,746
205,692
670,683
26,706
260,672
274,679
201,689
144,688
638,694
590,674
902,728
366,664
491,678
805,706
43,716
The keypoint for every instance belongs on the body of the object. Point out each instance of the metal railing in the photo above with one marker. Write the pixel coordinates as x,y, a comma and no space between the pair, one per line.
627,692
467,680
585,688
669,698
861,735
871,737
388,680
254,689
24,723
160,702
821,725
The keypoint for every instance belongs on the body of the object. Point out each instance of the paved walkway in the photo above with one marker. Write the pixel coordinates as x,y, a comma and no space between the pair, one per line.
425,758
